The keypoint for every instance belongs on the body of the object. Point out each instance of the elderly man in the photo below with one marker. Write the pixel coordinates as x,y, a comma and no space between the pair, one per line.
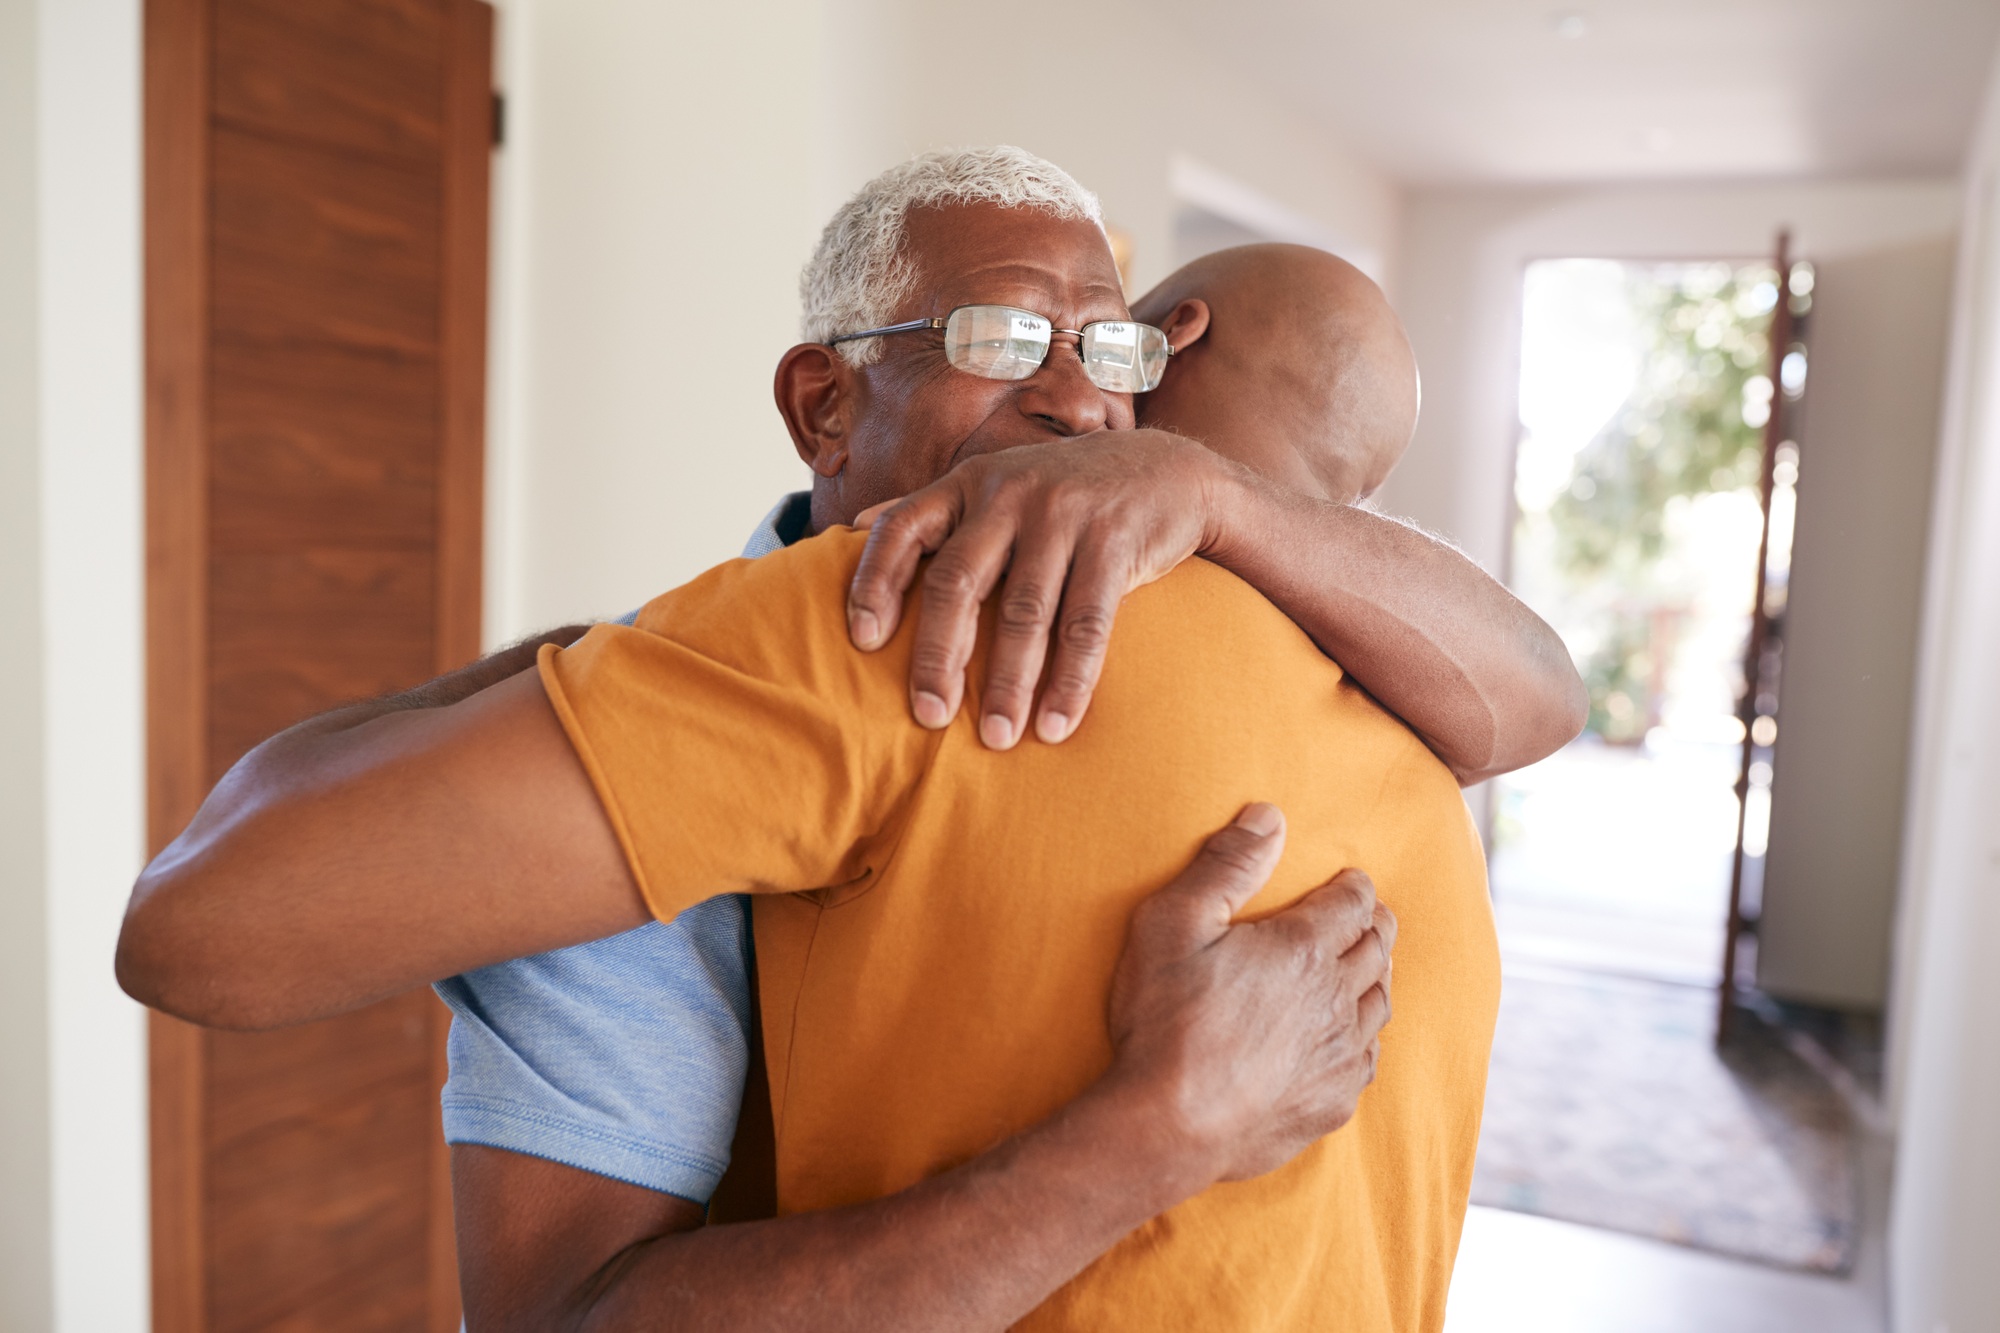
484,840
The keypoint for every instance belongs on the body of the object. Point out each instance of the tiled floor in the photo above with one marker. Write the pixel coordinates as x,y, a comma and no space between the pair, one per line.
1522,1274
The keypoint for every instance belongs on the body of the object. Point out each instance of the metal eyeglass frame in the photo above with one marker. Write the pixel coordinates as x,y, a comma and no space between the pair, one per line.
935,322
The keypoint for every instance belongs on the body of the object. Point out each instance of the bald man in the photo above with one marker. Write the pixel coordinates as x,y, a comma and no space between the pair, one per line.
1331,421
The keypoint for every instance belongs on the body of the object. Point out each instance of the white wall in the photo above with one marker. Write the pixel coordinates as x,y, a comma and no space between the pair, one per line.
667,172
1457,283
1113,91
1945,1225
72,1047
1868,444
655,201
27,1295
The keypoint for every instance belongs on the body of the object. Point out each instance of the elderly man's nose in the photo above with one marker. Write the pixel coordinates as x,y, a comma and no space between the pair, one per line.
1063,396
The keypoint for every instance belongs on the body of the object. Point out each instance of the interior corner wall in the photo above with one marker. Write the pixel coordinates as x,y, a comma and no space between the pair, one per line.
1945,1063
27,1293
1113,100
73,1186
653,206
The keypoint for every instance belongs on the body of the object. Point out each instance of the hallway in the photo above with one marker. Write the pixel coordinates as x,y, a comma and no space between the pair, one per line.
1522,1274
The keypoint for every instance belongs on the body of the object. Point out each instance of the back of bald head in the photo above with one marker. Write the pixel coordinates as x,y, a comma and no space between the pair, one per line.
1304,373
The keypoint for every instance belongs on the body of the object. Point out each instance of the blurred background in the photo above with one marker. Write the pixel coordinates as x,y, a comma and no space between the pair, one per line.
341,339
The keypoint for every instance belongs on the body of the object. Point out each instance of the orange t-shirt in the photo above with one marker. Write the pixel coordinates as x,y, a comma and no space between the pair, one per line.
934,979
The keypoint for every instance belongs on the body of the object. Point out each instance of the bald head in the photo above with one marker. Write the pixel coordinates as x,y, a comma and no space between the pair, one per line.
1304,372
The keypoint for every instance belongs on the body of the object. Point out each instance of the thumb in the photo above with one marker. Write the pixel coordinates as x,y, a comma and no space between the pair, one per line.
866,518
1196,909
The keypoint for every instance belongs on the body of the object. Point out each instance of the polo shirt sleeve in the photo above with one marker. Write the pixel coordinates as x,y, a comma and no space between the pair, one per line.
737,740
624,1056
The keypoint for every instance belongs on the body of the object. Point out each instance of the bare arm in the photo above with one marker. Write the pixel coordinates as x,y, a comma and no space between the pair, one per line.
373,849
1438,642
348,860
1215,1076
1063,531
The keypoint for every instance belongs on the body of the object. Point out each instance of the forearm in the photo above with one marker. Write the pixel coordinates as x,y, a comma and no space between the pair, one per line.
976,1247
1486,683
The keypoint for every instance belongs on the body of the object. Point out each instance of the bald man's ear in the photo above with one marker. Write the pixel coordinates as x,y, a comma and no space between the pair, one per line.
819,396
1185,323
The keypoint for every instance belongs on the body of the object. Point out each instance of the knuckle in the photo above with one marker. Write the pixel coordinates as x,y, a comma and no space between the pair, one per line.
1008,688
1025,610
951,578
1086,629
1069,684
1235,854
1294,933
899,521
930,661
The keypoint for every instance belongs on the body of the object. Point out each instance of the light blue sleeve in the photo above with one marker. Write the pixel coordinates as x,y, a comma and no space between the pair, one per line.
625,1056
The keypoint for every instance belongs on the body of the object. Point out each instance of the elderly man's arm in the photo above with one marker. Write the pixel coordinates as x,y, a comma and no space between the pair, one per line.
1062,531
1214,1077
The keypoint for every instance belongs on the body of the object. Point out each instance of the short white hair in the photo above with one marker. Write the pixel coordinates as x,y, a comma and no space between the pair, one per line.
858,273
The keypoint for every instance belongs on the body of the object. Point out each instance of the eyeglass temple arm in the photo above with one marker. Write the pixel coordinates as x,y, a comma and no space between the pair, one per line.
907,326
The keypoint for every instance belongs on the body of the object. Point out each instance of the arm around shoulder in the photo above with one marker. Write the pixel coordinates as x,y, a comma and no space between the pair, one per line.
1486,683
338,863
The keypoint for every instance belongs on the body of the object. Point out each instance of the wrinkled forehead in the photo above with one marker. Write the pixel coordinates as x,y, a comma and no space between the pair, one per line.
983,254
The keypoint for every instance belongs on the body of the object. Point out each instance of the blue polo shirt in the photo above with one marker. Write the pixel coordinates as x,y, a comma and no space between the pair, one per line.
625,1056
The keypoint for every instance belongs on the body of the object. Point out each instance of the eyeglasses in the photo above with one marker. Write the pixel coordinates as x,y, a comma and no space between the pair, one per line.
1000,342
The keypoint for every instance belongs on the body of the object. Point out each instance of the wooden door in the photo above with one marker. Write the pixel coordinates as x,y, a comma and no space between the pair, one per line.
316,201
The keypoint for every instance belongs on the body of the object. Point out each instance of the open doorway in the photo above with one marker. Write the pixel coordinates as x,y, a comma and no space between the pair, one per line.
1645,389
1640,486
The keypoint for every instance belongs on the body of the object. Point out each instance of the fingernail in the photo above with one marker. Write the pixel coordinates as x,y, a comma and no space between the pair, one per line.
1053,727
865,628
1261,818
997,731
930,710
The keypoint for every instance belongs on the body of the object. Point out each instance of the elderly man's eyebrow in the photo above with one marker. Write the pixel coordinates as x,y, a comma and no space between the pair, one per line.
1030,274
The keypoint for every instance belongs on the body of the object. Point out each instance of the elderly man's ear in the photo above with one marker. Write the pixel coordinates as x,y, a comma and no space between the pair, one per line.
819,396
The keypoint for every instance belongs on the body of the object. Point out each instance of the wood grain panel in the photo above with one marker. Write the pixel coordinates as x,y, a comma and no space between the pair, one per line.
293,633
317,246
360,76
325,1212
320,444
259,1079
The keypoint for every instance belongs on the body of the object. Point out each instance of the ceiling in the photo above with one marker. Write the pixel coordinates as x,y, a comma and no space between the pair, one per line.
1513,90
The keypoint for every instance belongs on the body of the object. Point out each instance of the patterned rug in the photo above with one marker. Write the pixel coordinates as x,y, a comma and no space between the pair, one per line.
1609,1105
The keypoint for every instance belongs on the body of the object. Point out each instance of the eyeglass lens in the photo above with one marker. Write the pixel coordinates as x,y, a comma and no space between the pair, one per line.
1122,357
1003,343
996,341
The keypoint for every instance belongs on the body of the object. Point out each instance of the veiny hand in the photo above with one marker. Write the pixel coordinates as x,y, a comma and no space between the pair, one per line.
1073,524
1254,1040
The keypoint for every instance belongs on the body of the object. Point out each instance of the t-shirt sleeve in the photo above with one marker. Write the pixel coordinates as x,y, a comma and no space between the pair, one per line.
624,1056
736,738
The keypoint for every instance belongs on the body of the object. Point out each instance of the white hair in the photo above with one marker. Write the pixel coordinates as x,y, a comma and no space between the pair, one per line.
858,273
